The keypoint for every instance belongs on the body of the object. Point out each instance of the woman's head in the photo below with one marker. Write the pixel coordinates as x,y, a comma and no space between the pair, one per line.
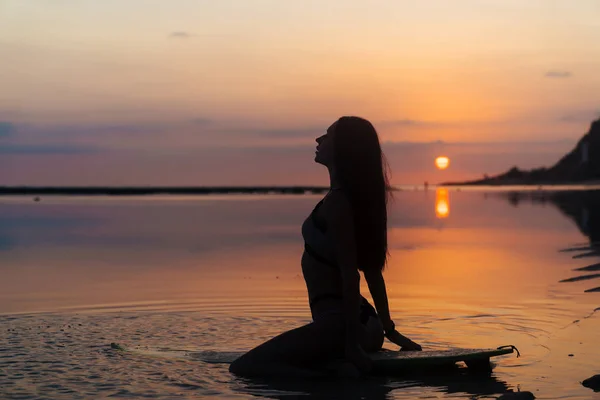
351,150
325,150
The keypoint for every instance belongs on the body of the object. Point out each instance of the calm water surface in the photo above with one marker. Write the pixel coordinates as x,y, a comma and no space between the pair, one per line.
214,276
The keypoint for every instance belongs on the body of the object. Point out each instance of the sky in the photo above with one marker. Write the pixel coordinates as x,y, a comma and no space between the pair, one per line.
234,92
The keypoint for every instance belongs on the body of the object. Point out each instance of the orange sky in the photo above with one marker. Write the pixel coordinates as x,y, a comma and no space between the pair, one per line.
143,91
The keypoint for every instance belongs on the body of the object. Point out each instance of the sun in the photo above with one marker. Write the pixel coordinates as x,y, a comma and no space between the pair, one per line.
442,162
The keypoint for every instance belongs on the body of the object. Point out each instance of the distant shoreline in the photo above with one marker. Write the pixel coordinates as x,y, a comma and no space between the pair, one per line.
266,190
175,190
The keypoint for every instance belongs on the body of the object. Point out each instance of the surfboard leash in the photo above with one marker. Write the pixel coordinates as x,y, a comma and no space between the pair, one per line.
510,346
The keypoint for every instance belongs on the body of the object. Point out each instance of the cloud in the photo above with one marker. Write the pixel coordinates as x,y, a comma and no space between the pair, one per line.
97,129
26,149
581,116
201,121
6,129
403,122
180,35
408,122
296,133
475,143
308,132
558,74
131,128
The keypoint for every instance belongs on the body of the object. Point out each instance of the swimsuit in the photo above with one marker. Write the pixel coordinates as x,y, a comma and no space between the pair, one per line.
323,277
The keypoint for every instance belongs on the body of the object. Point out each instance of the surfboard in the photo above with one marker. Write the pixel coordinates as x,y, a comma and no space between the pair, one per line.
385,362
477,360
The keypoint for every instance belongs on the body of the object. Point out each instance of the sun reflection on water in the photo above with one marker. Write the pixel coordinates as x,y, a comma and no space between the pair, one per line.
442,203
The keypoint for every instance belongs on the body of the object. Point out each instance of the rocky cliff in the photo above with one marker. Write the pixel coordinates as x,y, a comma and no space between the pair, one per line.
580,165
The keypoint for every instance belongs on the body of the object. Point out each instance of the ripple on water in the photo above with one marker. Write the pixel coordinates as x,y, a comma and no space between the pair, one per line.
79,363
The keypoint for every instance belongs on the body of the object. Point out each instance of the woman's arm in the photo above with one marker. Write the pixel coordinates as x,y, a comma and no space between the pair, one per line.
378,291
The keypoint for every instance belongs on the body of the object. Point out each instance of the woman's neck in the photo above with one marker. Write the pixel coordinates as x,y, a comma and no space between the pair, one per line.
334,182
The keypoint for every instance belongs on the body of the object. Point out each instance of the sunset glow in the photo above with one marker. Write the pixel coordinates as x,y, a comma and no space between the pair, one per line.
182,93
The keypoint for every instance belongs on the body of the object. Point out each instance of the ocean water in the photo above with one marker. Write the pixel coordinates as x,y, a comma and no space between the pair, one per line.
191,282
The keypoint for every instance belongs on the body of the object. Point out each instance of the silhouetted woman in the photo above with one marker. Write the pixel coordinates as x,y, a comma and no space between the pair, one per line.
345,233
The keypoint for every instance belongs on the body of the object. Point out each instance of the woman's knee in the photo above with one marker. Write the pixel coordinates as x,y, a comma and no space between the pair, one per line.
248,363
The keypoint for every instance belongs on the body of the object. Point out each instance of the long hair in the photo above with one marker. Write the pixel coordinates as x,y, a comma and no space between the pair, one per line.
362,170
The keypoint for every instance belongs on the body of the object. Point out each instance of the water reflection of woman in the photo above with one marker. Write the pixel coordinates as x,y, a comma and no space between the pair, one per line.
345,233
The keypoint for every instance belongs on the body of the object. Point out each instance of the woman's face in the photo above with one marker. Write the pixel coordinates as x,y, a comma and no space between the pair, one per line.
324,153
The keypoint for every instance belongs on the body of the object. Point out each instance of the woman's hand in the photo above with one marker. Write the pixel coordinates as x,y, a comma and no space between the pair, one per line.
359,358
405,343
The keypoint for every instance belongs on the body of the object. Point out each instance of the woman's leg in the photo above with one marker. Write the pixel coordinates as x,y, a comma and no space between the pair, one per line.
293,353
373,338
